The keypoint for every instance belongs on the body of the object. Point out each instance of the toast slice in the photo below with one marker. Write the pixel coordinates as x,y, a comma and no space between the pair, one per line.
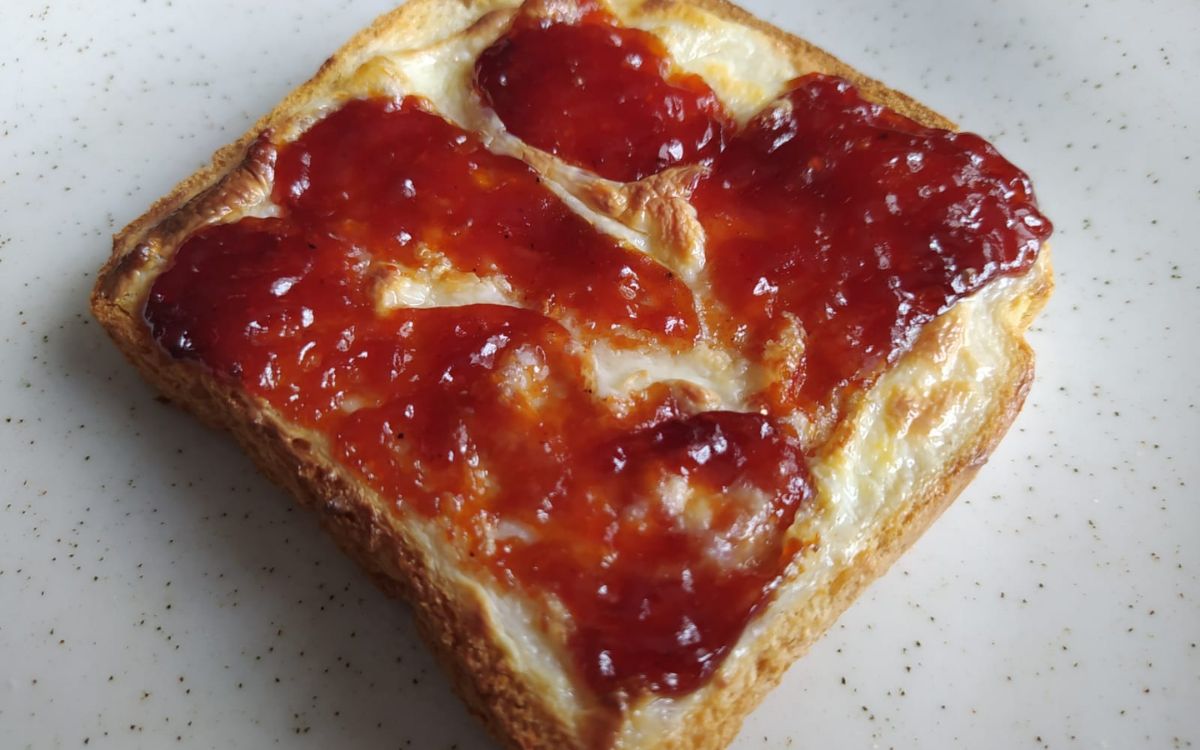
881,457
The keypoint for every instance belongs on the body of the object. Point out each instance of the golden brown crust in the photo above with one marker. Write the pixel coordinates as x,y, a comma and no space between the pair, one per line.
452,616
452,619
808,56
715,721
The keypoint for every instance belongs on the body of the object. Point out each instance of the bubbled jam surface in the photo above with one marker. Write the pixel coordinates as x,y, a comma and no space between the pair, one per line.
661,531
482,416
600,96
858,224
401,181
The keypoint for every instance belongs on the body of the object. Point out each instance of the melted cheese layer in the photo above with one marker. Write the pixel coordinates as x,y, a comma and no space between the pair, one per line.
924,409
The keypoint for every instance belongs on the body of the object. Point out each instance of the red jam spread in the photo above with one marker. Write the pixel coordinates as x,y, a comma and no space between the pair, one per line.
860,226
659,529
483,416
402,182
599,95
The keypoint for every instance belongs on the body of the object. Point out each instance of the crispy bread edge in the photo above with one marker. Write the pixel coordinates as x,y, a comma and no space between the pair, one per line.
451,617
808,55
714,721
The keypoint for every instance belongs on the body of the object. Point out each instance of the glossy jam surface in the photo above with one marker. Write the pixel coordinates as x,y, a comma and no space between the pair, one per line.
856,226
404,183
661,531
599,96
835,230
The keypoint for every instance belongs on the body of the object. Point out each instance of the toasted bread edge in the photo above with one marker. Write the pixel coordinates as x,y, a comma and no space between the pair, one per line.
451,618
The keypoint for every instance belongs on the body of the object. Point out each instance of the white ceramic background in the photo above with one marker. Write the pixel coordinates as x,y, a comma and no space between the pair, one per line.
155,592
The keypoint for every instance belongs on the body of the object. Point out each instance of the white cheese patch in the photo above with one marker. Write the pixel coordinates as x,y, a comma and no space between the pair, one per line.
525,382
263,209
623,372
875,474
442,75
745,67
694,509
437,284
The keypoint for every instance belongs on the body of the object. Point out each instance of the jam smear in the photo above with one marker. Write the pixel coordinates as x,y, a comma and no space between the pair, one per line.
600,96
401,181
835,230
858,225
696,509
660,531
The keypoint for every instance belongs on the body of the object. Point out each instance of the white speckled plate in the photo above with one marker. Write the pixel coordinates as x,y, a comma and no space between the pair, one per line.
154,591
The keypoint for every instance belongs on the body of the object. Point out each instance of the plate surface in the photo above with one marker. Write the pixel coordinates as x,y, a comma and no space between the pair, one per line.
156,592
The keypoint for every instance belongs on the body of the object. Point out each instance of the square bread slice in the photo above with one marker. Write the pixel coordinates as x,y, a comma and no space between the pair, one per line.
879,470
